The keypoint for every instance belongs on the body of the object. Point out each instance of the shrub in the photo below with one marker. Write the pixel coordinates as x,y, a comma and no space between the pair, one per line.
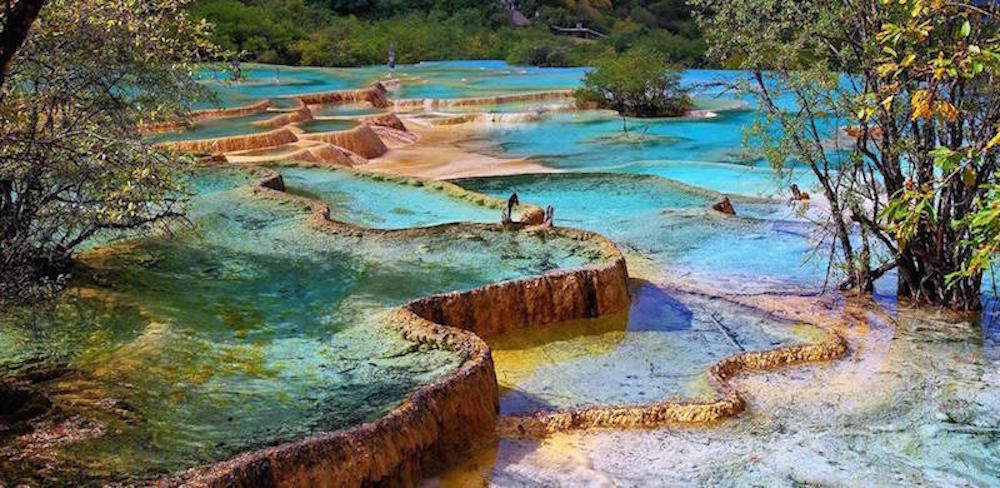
638,83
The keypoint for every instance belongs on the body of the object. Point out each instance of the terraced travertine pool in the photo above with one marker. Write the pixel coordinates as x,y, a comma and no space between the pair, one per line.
254,326
443,79
366,200
671,224
328,125
620,359
224,127
251,329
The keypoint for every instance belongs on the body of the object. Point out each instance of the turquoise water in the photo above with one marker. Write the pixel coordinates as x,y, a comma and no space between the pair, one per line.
346,110
213,128
250,328
458,79
262,82
328,125
439,79
706,152
661,349
368,202
764,250
513,107
246,330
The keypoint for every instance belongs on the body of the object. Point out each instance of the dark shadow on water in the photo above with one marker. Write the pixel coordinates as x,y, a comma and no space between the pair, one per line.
991,327
653,309
514,401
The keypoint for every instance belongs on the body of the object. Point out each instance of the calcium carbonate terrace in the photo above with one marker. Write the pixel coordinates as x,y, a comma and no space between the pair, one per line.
346,280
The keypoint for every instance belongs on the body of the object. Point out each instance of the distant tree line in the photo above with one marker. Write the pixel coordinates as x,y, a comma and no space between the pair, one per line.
353,33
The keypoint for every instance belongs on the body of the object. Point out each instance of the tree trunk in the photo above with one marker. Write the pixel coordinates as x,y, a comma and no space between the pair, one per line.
18,19
925,281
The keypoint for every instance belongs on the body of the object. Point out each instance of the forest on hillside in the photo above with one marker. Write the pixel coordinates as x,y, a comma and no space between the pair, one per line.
361,32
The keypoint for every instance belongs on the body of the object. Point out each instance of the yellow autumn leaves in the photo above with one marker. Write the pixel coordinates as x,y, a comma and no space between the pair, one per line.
926,106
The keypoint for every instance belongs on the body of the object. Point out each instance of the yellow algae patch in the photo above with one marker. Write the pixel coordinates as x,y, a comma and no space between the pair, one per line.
701,389
199,361
518,355
145,354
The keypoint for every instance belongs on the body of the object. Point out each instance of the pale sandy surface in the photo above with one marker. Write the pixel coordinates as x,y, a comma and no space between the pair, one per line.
448,152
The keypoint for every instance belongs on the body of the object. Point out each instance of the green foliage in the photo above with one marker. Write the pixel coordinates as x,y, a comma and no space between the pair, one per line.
72,161
555,51
352,33
351,41
676,49
918,179
638,83
268,30
545,53
984,226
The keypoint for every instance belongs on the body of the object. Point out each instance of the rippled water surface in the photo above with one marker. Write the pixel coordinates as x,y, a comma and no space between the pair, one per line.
660,349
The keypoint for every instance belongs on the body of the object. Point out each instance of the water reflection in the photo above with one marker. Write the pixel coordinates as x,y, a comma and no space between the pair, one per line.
661,349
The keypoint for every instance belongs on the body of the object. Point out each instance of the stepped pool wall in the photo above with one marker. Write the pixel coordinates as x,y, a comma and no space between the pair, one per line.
221,145
443,420
373,94
437,103
361,140
454,414
207,114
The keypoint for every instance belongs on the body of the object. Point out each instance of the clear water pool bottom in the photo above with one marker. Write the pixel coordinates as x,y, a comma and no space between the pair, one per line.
248,330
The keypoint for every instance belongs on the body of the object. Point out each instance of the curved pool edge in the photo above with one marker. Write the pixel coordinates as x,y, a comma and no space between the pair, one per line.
676,413
528,213
457,413
449,417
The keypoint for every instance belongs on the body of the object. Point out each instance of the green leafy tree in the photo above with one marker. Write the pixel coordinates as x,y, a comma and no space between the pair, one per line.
72,162
915,83
638,83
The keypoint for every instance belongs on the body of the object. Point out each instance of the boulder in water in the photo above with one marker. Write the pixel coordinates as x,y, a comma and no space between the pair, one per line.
724,206
533,216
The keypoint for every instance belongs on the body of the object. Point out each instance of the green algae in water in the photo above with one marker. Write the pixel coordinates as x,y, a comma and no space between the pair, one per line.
328,125
215,128
249,330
